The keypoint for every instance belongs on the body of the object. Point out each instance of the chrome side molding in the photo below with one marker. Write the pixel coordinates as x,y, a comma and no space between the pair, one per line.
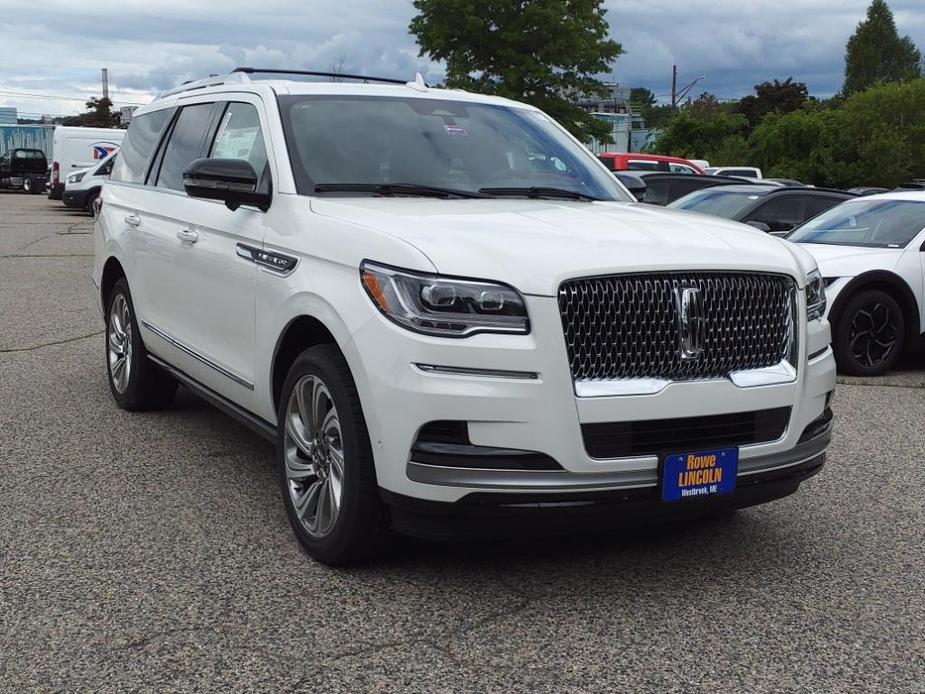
199,357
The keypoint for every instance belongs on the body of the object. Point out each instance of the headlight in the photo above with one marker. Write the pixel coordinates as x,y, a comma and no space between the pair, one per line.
815,296
444,306
75,178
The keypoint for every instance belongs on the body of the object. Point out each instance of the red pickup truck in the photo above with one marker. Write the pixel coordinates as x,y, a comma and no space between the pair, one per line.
630,161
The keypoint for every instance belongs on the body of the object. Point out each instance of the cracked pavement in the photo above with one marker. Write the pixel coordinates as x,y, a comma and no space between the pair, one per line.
151,552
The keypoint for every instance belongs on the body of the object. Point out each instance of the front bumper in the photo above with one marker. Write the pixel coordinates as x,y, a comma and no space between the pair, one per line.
75,198
543,415
493,516
55,191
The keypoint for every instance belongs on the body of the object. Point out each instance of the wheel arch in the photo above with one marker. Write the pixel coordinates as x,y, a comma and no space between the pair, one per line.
892,284
301,333
112,271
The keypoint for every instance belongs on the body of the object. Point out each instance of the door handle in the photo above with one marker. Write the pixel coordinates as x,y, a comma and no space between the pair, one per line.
188,236
133,220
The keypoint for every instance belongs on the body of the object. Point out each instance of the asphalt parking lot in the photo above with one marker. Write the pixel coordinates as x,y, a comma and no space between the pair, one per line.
151,552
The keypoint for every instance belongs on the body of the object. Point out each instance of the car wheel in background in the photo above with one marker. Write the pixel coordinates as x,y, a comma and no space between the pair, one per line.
91,198
325,460
869,334
136,382
28,185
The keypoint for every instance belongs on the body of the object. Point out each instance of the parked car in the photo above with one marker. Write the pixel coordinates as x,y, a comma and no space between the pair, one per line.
746,171
869,251
868,190
773,209
658,188
617,161
787,182
82,188
74,148
449,316
25,169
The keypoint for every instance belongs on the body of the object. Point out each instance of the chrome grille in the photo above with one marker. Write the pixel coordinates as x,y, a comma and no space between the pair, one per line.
627,326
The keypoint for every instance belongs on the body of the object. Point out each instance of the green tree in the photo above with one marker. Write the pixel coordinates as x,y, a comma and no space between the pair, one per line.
538,51
700,129
100,114
876,52
773,97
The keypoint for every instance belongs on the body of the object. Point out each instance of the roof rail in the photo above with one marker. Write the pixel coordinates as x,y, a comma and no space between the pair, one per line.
335,75
211,81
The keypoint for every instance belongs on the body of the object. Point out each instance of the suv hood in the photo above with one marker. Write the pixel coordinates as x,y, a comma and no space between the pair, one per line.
535,245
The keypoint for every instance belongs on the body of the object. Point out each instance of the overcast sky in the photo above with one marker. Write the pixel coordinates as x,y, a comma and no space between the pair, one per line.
56,47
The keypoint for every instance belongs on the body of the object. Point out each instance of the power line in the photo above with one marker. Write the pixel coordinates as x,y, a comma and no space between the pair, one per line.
64,98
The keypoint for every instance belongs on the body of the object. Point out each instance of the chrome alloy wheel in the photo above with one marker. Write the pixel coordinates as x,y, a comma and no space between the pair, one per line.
119,341
872,334
314,456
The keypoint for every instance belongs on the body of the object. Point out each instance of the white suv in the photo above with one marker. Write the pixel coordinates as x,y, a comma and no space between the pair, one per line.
449,316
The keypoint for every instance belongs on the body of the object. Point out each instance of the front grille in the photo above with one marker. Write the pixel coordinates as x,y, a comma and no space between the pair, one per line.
627,326
684,434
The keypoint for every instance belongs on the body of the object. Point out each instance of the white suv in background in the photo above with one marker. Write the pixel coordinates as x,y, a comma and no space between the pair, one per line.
449,316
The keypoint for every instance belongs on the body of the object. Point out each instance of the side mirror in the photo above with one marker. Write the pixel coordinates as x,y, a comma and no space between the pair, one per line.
233,181
761,226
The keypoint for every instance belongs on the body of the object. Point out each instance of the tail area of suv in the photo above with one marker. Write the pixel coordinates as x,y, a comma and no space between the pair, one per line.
449,316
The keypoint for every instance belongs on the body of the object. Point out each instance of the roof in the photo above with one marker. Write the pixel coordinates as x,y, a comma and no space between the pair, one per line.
246,80
762,190
914,195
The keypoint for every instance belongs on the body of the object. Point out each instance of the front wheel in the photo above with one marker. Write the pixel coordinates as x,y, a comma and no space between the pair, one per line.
869,334
28,186
325,461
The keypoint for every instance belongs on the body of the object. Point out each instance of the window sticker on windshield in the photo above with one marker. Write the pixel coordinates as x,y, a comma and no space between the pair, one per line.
235,144
456,130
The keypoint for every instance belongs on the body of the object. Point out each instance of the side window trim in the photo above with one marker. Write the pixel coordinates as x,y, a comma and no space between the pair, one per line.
154,166
154,176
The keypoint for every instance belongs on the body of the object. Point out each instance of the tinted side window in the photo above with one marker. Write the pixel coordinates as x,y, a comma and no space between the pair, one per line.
781,214
184,145
106,168
140,140
239,137
819,204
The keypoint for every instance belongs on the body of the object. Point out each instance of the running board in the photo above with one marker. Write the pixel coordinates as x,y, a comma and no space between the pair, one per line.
248,419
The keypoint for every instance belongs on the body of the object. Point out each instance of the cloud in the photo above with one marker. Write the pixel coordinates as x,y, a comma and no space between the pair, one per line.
151,45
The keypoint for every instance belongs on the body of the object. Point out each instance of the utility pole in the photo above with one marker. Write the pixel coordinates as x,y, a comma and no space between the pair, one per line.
105,74
674,86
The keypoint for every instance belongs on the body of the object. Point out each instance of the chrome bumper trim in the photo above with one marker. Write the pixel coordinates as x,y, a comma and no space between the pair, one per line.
554,481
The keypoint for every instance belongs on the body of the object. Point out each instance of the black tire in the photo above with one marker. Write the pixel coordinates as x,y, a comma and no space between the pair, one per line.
28,185
869,333
359,527
88,205
146,386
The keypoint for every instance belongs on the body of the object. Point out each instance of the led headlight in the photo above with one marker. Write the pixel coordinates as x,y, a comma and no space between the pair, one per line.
444,306
76,178
815,296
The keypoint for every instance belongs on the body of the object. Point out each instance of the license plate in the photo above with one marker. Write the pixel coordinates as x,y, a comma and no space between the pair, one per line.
696,475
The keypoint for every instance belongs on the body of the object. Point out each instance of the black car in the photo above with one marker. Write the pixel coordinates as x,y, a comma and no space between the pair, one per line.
658,188
24,168
773,209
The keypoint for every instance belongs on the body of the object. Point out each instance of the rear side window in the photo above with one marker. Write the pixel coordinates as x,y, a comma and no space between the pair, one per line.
780,214
139,144
184,145
239,137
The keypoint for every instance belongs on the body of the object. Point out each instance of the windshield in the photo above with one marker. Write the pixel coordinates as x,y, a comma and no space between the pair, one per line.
716,201
460,146
871,223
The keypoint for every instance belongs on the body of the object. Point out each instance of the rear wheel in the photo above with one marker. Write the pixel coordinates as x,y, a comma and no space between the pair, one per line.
869,334
28,185
135,381
325,460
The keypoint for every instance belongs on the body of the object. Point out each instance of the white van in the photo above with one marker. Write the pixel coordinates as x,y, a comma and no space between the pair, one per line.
74,148
83,186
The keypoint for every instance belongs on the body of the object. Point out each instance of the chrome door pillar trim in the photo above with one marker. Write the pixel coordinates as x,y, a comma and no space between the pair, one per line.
199,357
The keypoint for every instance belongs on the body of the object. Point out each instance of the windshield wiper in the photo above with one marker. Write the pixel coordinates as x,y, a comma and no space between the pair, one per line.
396,189
539,192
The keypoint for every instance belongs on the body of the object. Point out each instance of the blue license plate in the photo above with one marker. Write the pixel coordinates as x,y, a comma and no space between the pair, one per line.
696,475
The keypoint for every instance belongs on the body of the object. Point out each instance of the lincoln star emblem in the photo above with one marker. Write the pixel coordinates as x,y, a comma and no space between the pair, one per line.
691,321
